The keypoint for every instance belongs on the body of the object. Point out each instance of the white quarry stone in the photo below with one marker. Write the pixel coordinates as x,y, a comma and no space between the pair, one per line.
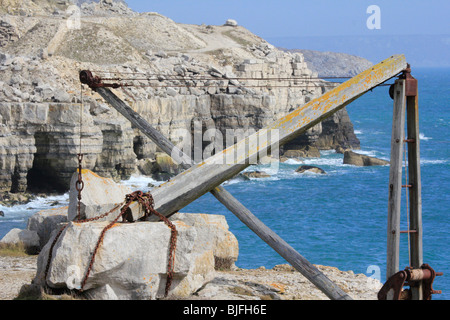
131,263
45,222
28,238
231,23
99,195
213,234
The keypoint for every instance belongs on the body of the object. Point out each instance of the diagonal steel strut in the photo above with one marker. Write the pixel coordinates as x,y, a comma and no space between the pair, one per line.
208,175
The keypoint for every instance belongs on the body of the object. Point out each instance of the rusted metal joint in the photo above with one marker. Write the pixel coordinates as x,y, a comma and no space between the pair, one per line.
94,82
393,288
411,85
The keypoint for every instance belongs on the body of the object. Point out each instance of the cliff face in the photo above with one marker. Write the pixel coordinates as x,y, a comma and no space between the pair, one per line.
333,64
192,75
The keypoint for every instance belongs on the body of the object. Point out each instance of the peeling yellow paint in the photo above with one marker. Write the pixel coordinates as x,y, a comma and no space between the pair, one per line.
364,80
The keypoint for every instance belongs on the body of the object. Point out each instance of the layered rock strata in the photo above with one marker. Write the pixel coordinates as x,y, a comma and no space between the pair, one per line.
186,79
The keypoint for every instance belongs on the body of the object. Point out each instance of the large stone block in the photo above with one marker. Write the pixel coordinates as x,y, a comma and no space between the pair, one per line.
99,195
213,234
131,262
132,258
29,239
45,222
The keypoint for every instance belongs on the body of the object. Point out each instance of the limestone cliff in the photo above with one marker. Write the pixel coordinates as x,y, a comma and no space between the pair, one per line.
189,74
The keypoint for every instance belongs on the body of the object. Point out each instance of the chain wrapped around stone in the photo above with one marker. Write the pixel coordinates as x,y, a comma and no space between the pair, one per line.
147,202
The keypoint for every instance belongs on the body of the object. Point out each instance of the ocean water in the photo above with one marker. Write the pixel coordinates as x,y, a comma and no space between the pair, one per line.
338,219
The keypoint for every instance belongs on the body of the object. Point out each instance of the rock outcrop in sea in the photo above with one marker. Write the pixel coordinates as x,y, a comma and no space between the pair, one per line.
192,78
360,160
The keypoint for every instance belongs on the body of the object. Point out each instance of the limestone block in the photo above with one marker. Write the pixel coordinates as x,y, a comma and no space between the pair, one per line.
98,196
212,234
231,23
45,222
28,238
132,259
299,65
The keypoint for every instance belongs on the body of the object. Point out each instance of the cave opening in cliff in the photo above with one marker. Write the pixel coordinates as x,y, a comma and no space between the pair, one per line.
42,177
42,180
138,147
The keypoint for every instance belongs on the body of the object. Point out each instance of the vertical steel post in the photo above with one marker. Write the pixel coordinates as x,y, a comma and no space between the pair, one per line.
414,179
405,95
395,179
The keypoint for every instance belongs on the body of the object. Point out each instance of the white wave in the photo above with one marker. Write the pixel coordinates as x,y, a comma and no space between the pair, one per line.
334,162
423,137
426,161
294,161
11,221
232,181
26,210
140,182
325,153
308,173
39,203
358,131
370,153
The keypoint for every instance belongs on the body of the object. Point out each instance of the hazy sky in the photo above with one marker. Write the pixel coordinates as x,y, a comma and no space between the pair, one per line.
293,18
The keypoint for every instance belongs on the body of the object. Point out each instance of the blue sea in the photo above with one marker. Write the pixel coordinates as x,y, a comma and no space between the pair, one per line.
338,219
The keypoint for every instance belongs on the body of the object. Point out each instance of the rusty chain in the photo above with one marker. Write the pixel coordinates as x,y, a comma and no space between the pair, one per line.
146,200
79,184
50,254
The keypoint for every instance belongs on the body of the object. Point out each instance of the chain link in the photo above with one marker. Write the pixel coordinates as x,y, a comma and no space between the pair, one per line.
79,184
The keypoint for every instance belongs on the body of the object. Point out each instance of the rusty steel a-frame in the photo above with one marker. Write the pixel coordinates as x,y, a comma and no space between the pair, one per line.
207,176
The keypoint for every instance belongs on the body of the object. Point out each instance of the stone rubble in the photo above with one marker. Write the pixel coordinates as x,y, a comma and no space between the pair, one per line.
281,282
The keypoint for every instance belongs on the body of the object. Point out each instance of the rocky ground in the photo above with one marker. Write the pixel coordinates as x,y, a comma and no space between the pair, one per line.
280,283
14,273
